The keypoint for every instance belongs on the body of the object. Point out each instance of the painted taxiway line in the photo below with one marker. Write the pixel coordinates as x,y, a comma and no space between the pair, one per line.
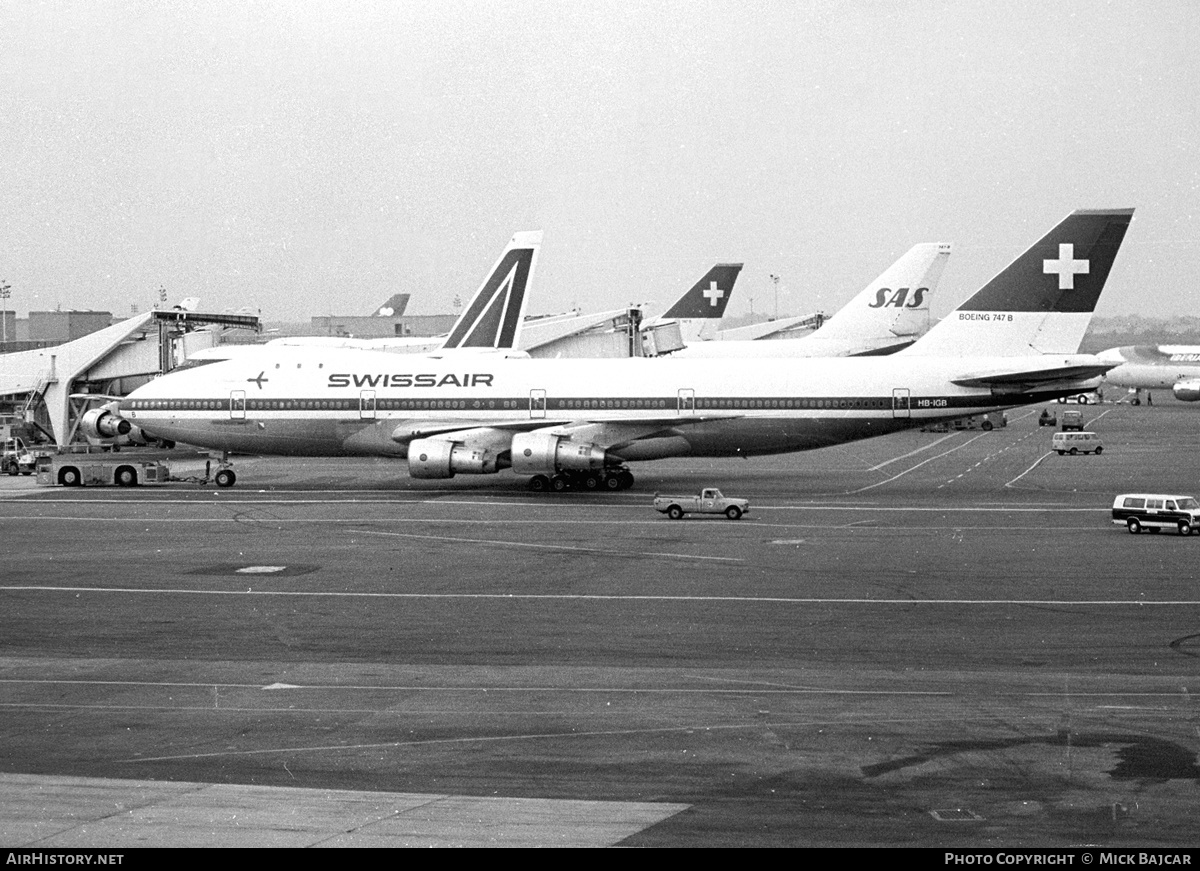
586,597
551,547
689,729
1056,508
917,466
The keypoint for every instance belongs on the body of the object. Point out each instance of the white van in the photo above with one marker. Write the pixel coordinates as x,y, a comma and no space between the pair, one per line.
1076,443
1155,511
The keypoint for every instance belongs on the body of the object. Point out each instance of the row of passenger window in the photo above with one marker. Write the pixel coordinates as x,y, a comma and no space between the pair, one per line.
414,404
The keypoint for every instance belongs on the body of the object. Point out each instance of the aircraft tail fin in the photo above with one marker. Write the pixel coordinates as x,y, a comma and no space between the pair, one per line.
709,296
1043,301
893,310
702,307
394,306
492,319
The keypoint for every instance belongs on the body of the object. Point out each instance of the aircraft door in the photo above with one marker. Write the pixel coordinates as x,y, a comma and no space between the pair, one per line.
687,400
366,405
537,404
900,403
237,405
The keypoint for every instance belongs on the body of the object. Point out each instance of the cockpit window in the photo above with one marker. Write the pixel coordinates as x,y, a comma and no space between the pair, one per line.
192,364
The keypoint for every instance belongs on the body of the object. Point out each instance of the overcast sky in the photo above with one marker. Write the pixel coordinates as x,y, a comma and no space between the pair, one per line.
311,157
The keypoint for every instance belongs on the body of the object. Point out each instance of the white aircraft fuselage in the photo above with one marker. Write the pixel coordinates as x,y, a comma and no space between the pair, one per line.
321,402
1156,367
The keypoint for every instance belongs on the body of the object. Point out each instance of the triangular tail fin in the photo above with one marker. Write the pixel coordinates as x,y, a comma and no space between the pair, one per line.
492,319
1043,301
703,306
895,306
709,296
394,306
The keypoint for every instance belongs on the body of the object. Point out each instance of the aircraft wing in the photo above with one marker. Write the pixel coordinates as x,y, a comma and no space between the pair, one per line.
1018,380
609,433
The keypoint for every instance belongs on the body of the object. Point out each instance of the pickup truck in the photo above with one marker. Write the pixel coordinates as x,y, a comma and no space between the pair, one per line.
710,501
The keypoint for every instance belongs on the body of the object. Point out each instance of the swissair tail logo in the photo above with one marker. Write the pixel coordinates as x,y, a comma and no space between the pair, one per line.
1066,266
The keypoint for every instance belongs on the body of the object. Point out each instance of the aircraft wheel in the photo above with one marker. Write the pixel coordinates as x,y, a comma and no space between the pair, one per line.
613,482
733,512
591,482
225,478
1134,526
626,477
126,477
675,512
539,483
558,483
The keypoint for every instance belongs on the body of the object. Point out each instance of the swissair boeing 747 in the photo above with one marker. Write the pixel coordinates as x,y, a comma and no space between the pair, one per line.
581,422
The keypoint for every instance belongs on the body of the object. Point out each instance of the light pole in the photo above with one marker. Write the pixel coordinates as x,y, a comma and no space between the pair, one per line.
775,281
5,292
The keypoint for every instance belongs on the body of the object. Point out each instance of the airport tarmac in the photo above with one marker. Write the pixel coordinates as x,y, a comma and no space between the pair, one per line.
927,639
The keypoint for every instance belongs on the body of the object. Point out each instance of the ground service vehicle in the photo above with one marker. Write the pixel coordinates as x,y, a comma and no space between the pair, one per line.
89,471
17,459
1076,443
1155,511
710,501
1047,418
1072,420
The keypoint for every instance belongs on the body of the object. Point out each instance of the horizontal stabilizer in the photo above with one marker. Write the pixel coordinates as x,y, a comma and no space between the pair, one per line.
1010,381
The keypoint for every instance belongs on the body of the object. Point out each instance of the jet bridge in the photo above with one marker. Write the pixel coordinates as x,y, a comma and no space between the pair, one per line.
42,383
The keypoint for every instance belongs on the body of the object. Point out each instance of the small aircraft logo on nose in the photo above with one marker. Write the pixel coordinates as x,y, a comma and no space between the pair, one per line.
259,380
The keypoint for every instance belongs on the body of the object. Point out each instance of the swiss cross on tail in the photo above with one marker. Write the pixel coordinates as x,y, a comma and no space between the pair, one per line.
1042,302
1064,272
1066,266
709,296
492,319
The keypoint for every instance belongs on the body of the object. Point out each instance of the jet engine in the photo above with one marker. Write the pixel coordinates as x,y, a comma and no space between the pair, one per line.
1188,391
543,453
103,423
439,458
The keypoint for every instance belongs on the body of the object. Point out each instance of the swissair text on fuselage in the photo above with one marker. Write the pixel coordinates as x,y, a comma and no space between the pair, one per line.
405,379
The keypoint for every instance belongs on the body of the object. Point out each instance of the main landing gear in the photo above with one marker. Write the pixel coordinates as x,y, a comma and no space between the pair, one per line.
607,479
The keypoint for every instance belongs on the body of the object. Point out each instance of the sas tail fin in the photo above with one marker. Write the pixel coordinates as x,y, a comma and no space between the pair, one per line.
893,310
492,319
702,307
1043,301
